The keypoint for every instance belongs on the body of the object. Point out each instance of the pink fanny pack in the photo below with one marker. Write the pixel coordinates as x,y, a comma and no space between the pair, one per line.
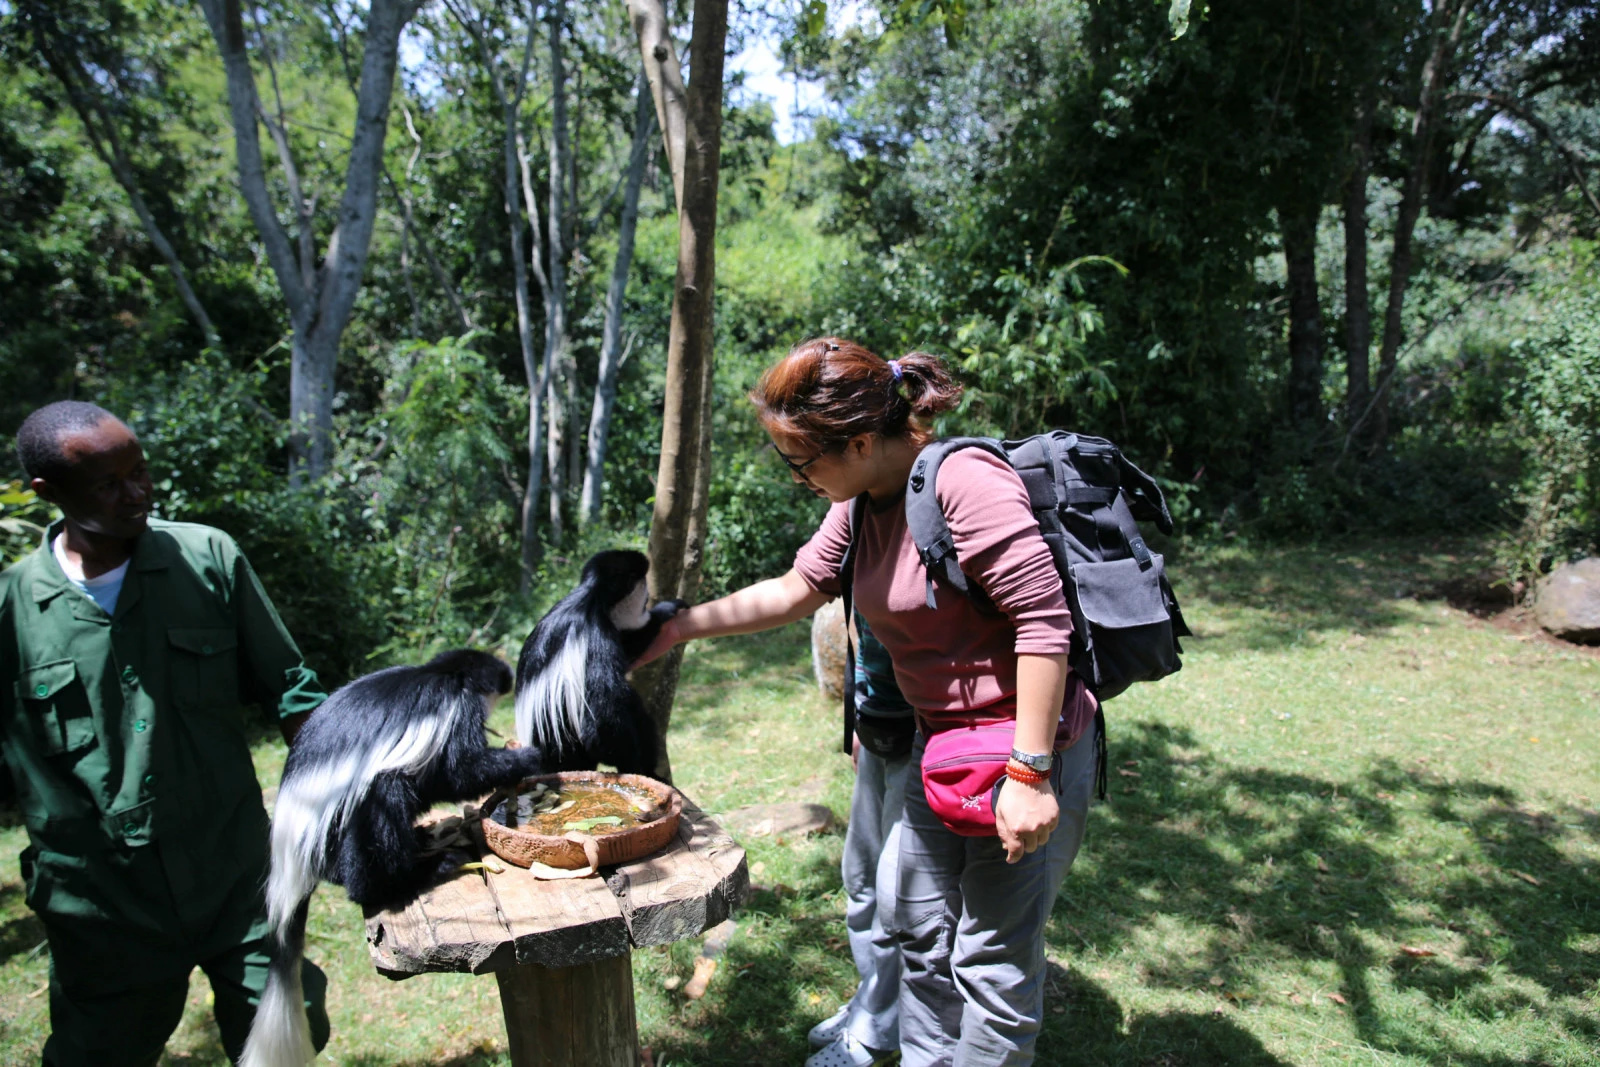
962,768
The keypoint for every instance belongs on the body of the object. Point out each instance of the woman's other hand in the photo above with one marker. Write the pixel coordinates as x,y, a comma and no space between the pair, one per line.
1025,815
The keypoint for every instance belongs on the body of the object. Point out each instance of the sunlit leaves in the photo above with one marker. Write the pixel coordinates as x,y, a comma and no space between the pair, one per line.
1034,357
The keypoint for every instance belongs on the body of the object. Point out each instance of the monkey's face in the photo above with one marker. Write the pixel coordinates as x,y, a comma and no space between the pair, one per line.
632,612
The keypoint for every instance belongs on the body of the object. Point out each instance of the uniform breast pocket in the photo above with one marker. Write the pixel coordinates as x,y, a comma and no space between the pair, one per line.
205,671
57,707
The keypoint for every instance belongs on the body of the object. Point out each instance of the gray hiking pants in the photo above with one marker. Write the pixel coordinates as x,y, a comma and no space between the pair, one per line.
971,926
871,868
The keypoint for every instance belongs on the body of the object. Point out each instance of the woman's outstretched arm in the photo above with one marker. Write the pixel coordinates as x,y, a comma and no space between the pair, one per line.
761,606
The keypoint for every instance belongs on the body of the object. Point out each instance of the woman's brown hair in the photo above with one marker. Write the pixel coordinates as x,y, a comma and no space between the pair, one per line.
828,390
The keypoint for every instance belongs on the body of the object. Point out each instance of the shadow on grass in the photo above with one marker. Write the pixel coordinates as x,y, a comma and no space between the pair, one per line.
788,939
1276,865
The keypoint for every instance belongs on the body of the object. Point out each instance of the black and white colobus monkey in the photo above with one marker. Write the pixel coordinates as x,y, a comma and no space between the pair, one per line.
378,752
574,702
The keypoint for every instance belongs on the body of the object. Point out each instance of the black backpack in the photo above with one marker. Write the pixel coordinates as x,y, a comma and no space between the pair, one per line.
1088,499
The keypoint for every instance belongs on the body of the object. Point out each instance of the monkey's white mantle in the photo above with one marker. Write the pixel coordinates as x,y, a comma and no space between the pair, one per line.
560,949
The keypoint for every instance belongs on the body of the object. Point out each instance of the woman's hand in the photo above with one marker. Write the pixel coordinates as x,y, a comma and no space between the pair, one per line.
1026,815
664,641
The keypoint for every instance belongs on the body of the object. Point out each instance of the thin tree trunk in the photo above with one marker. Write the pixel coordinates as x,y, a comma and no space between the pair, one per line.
1357,303
677,526
605,390
1306,344
405,276
556,354
1452,20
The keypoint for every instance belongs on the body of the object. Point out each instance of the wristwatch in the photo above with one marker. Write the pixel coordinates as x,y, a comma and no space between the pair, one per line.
1037,761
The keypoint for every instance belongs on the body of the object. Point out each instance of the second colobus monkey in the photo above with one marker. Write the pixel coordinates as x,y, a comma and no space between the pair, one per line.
574,701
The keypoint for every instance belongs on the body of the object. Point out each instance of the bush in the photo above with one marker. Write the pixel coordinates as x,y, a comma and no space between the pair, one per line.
1557,420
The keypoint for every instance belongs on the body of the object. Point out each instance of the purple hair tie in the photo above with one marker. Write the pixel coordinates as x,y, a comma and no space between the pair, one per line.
894,368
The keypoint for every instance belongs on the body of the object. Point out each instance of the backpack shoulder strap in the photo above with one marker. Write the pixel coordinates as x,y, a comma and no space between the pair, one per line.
847,573
925,518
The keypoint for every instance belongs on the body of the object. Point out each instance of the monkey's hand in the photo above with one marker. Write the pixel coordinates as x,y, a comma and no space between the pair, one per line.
666,609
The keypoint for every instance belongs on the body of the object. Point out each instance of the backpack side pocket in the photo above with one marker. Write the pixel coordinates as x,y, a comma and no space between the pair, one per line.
1124,609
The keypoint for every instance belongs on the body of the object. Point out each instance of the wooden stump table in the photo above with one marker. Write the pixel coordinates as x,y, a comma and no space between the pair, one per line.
561,949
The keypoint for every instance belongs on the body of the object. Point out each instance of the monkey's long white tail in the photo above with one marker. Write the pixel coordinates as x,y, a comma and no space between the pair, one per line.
280,1035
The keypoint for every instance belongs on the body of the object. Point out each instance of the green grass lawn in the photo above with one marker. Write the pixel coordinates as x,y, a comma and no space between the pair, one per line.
1360,827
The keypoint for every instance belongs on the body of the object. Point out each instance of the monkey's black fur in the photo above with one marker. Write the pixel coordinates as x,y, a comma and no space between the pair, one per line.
372,853
573,697
377,753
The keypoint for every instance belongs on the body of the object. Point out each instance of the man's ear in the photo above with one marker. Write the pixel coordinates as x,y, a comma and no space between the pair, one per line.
44,491
861,444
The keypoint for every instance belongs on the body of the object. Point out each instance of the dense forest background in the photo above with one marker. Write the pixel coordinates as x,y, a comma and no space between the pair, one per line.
1323,268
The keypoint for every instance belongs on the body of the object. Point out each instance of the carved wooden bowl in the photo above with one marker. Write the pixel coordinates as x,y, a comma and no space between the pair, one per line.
524,847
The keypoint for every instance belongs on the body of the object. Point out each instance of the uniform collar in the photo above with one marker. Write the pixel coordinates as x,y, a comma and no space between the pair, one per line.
49,580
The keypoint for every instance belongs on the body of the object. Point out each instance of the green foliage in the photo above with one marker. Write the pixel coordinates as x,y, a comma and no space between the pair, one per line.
439,486
1035,359
23,518
1557,417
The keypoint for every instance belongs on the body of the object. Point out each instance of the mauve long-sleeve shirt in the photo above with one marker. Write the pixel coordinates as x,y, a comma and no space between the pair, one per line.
954,663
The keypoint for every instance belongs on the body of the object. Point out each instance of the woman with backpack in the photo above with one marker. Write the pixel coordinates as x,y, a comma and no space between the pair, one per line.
987,834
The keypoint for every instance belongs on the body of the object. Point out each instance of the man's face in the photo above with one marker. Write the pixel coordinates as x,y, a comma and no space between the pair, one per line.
106,489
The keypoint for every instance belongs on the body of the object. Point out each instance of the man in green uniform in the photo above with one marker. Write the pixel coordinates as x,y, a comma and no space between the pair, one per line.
127,645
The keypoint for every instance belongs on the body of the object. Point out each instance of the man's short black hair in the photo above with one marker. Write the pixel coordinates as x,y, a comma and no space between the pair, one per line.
39,439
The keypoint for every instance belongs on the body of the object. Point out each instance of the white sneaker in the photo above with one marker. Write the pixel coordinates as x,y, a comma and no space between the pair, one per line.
846,1051
823,1034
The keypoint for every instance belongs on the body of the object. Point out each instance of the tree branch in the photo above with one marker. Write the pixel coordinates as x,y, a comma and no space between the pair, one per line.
227,27
665,71
1522,111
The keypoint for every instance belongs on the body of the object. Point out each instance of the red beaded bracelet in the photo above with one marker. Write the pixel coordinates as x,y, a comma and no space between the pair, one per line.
1027,775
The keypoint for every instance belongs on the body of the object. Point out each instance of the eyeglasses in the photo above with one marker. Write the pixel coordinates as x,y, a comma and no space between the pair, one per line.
798,469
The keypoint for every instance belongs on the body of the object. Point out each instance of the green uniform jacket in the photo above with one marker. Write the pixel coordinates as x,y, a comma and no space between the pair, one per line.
126,740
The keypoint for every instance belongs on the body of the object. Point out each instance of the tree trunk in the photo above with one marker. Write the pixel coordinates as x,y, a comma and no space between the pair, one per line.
313,357
1357,303
1306,344
677,524
321,297
1452,19
605,390
556,355
532,370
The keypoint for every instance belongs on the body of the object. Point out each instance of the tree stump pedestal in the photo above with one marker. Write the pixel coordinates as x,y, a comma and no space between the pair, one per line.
561,949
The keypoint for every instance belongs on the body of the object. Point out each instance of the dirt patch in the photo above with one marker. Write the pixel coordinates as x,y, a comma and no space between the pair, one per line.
1519,622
